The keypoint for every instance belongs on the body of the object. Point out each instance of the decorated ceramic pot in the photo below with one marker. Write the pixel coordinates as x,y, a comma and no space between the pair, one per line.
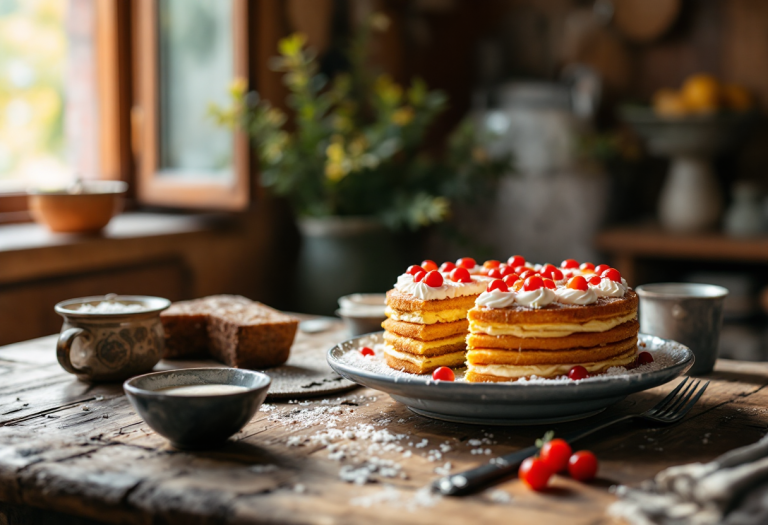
111,337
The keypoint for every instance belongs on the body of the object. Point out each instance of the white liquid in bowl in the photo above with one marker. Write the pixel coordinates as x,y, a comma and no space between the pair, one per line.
202,390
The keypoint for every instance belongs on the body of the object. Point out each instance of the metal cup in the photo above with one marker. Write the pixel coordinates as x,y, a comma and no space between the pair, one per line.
691,314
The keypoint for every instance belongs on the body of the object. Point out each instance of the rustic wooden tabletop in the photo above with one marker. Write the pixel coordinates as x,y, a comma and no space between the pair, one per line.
76,453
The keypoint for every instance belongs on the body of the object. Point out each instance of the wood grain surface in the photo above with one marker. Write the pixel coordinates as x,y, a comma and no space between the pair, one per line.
79,450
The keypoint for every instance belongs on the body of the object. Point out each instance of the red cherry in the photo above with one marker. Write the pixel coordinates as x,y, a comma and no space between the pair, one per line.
534,473
520,269
495,273
506,270
611,274
429,265
460,275
491,264
446,267
547,268
587,266
419,277
434,279
578,372
466,262
511,279
594,280
527,273
443,374
600,268
550,272
549,283
582,465
578,283
414,269
518,285
534,282
498,284
644,358
569,264
555,454
367,351
516,260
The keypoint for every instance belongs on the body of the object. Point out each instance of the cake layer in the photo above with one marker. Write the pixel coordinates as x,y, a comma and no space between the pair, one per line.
550,330
497,373
604,308
426,348
568,341
426,332
549,357
402,302
414,364
445,316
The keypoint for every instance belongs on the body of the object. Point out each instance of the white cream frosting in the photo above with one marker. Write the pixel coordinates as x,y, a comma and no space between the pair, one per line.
579,297
535,298
449,289
496,299
608,288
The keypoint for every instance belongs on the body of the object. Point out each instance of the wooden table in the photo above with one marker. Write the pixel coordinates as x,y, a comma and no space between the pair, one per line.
79,452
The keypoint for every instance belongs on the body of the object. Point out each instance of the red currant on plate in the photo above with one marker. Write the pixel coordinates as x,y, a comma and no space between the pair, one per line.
419,277
569,264
434,279
578,283
429,265
497,284
414,269
577,372
555,454
446,267
466,262
443,374
366,351
534,473
534,282
582,465
460,275
600,268
516,260
611,274
644,358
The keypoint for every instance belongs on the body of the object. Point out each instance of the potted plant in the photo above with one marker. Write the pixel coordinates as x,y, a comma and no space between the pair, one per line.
351,161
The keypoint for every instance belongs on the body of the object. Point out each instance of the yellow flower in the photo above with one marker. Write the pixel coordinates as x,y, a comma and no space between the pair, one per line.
291,46
334,171
389,92
403,116
335,152
238,87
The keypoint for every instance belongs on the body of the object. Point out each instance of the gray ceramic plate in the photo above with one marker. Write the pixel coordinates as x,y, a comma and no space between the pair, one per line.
518,403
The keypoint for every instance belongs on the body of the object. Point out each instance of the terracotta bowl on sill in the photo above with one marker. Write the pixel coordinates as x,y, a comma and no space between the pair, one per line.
86,207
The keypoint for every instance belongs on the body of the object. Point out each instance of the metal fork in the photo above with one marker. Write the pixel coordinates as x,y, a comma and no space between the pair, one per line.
669,410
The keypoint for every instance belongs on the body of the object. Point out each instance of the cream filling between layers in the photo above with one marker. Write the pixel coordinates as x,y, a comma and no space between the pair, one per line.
549,329
516,372
423,346
452,359
442,316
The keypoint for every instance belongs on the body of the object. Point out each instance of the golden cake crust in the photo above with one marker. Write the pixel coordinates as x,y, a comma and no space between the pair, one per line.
575,340
407,303
605,307
426,332
417,348
550,357
413,368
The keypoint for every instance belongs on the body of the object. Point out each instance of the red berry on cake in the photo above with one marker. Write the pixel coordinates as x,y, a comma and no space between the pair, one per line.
534,282
587,267
518,285
460,275
549,283
644,358
520,269
578,372
434,279
550,272
491,264
527,273
495,273
429,265
443,374
601,268
578,283
506,270
446,267
414,269
594,280
611,274
569,264
516,260
466,262
511,279
419,277
498,284
367,351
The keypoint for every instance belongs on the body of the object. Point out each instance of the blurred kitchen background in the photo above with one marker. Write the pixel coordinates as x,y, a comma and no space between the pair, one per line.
623,131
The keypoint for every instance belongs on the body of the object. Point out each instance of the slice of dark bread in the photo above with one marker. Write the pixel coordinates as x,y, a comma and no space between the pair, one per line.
232,329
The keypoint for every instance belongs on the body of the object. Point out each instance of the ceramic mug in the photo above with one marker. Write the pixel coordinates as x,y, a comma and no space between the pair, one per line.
691,314
112,337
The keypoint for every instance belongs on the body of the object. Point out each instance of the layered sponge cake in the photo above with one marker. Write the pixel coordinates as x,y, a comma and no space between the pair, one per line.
537,323
427,325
